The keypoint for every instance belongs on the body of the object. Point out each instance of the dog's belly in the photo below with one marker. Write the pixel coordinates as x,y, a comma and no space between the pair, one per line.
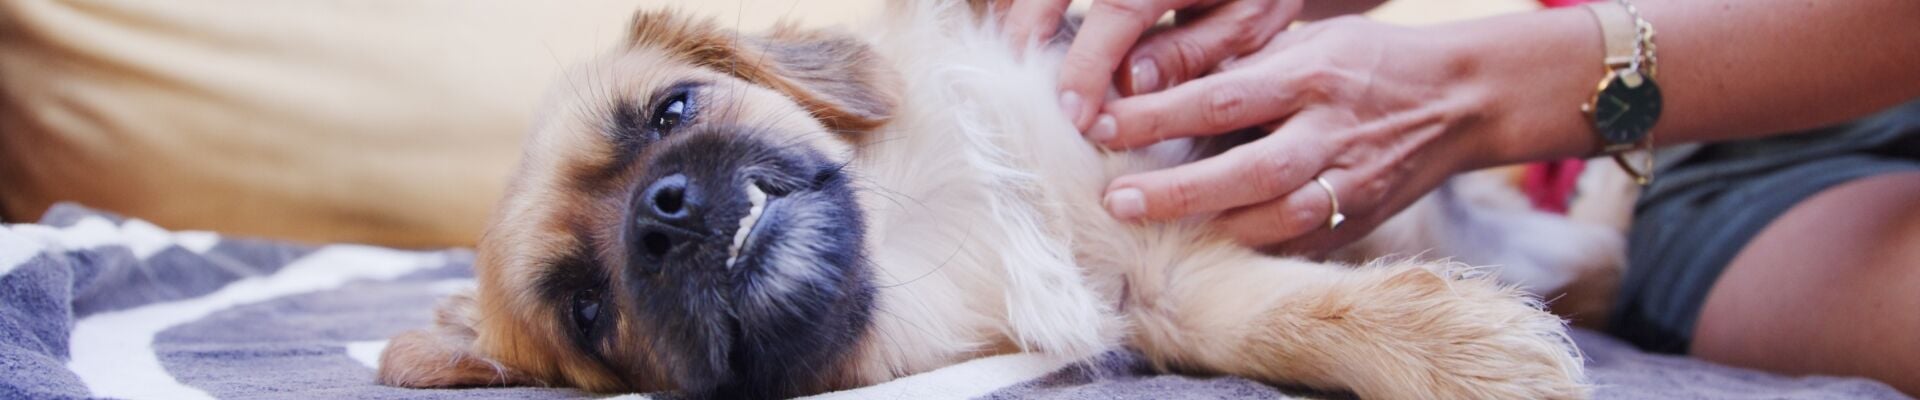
985,217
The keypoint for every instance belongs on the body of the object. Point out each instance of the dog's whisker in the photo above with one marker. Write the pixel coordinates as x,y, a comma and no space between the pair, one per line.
572,85
930,271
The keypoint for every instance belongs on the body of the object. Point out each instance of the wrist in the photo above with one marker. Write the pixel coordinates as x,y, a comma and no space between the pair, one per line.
1531,73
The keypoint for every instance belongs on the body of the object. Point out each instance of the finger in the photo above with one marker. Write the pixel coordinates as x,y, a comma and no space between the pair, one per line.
1110,29
1320,242
1197,46
1287,38
1308,206
1300,212
1366,202
1249,174
1031,21
1216,103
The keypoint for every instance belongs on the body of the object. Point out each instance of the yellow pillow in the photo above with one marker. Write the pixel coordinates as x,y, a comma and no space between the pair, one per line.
374,121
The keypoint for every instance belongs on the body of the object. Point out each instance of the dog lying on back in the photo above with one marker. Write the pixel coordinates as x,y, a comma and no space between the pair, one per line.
803,211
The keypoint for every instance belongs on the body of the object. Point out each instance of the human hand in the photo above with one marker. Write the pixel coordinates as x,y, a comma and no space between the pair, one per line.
1205,33
1377,110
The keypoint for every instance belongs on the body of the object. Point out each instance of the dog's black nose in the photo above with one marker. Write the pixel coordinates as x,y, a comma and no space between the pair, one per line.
667,215
670,199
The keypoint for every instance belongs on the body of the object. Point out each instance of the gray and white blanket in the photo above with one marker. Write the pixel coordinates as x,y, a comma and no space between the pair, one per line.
93,305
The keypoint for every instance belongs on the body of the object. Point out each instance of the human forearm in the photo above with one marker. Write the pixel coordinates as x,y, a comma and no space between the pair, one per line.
1728,69
1380,114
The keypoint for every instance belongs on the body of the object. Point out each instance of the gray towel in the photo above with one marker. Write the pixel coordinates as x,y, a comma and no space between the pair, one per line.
95,305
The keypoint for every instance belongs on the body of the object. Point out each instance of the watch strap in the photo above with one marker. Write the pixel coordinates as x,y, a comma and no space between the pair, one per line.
1617,30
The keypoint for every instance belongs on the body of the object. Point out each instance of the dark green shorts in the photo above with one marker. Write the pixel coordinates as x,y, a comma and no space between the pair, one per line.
1709,201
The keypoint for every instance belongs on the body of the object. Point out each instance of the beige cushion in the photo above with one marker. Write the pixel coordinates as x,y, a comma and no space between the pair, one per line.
379,121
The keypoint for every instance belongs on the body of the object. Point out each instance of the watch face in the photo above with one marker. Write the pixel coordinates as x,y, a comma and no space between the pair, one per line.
1626,108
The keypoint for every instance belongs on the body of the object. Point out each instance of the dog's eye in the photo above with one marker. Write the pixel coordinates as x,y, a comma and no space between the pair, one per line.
586,310
671,112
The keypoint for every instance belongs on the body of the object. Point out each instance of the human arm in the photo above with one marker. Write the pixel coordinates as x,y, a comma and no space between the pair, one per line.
1729,69
1388,112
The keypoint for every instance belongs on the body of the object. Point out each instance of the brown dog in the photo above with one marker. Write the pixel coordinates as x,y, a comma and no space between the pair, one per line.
806,211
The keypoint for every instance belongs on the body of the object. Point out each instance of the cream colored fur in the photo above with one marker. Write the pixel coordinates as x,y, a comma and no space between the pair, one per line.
986,228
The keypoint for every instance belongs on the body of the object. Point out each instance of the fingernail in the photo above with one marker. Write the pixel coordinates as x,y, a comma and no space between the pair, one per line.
1126,203
1070,104
1103,129
1146,76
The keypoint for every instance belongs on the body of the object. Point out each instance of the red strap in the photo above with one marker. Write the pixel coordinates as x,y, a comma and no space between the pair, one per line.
1550,185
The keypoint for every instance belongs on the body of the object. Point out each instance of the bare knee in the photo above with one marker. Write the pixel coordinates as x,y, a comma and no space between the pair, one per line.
1823,288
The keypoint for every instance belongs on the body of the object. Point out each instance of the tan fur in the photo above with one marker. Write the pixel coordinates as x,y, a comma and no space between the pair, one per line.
1385,332
442,356
1605,198
824,71
1575,260
985,228
558,191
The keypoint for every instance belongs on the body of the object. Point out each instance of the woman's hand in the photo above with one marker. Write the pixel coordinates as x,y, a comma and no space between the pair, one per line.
1379,111
1205,33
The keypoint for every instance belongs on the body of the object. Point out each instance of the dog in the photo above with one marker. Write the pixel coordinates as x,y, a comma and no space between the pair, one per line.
809,210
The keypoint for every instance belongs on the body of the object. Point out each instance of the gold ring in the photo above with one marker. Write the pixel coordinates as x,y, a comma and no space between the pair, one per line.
1333,221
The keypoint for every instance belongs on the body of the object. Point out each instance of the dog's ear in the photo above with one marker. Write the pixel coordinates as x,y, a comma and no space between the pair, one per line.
836,76
443,356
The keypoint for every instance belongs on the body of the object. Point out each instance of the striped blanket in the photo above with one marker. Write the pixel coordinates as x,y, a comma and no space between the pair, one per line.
94,305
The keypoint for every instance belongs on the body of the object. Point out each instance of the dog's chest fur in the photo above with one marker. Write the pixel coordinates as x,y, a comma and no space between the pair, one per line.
986,228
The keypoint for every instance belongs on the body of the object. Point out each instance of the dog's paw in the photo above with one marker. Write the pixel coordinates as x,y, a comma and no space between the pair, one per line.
1471,338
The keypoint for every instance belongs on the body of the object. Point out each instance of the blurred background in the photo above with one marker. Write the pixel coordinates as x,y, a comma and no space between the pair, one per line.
391,122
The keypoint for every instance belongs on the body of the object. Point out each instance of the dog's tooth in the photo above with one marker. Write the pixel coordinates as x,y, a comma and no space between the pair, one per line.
757,202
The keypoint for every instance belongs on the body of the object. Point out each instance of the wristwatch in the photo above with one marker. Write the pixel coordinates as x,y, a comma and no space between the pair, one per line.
1627,103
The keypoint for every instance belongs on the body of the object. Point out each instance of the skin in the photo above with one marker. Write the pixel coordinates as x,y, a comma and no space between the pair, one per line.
1386,113
1832,280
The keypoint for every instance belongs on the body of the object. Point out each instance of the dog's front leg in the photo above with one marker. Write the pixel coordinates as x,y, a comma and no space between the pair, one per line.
1386,332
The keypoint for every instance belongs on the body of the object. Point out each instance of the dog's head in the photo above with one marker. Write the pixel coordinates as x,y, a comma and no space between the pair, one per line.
680,220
